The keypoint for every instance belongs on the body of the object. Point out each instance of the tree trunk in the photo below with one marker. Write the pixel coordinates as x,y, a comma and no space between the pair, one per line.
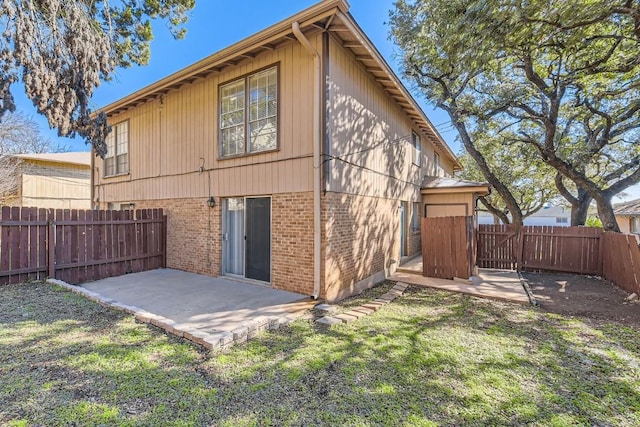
503,191
580,209
605,212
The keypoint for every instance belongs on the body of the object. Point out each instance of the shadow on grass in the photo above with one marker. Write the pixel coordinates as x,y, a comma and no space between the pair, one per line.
429,358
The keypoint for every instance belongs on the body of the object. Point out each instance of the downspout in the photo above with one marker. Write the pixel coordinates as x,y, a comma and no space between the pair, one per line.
317,138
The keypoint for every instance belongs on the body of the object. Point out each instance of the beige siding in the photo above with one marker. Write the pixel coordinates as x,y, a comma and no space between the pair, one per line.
173,136
54,185
624,222
454,204
370,136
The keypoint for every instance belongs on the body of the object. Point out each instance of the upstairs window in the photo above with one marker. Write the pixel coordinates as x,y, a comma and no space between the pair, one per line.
635,224
417,148
562,220
249,114
436,164
116,161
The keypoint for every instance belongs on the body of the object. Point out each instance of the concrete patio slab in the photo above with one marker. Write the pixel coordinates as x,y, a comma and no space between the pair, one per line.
197,302
503,285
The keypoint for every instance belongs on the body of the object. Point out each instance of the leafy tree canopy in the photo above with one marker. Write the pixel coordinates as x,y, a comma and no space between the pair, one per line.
62,49
559,76
530,181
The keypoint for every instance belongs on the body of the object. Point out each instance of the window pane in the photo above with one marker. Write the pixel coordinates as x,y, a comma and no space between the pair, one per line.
111,143
109,166
123,163
232,118
233,140
263,110
263,135
117,160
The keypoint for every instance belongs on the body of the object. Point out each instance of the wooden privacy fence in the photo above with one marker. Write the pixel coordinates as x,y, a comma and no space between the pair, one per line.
540,248
79,246
578,250
621,261
448,247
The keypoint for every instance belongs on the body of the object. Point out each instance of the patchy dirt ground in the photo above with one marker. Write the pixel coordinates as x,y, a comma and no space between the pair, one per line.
583,296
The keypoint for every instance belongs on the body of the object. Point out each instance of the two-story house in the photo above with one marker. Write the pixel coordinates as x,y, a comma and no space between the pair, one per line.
293,158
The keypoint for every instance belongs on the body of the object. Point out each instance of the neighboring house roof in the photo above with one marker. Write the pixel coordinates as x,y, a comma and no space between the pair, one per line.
546,212
630,208
328,15
439,184
77,158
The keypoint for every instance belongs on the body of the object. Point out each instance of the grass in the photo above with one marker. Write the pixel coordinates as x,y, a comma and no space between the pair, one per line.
429,358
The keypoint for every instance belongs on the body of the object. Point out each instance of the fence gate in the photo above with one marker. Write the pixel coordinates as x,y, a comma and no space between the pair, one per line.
497,246
540,248
448,247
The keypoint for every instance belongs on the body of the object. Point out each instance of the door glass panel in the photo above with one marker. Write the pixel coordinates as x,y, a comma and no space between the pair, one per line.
234,236
258,243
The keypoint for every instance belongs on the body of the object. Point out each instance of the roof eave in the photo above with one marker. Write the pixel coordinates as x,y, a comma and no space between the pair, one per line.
208,65
481,190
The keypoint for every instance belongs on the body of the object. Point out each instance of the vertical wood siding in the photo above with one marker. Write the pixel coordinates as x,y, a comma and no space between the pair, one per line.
371,152
173,136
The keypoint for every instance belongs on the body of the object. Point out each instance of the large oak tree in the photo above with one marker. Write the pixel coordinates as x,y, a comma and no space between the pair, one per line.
559,76
61,50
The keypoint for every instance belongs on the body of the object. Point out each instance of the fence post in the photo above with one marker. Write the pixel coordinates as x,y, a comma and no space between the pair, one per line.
519,247
51,245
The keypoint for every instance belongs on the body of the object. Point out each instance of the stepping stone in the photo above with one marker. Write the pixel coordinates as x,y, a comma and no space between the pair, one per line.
327,308
345,317
356,314
401,286
364,310
328,320
372,306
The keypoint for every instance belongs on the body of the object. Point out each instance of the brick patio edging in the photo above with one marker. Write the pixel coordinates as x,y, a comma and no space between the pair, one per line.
365,309
220,340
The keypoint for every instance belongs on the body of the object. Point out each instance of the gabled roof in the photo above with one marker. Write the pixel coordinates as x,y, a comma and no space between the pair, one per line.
327,15
82,158
630,208
440,184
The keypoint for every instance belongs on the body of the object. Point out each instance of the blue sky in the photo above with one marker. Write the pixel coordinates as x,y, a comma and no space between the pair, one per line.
214,25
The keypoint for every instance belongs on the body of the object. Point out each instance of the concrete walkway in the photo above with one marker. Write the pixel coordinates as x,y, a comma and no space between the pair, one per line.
502,285
198,307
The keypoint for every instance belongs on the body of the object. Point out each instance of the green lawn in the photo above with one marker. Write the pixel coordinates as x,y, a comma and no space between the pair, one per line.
429,358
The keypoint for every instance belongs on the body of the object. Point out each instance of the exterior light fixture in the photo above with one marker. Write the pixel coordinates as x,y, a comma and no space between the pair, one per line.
211,202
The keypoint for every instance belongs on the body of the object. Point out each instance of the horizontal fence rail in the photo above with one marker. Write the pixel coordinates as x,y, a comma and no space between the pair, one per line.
78,246
540,248
621,261
578,250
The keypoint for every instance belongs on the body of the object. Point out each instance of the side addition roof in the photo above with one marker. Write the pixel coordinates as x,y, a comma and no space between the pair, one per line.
439,184
82,158
630,208
328,15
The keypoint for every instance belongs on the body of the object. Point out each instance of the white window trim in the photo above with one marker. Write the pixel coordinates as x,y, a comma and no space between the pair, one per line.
114,132
246,124
436,164
416,155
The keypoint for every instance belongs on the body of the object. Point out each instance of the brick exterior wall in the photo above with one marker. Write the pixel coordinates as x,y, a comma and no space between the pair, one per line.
194,238
193,234
292,242
361,237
